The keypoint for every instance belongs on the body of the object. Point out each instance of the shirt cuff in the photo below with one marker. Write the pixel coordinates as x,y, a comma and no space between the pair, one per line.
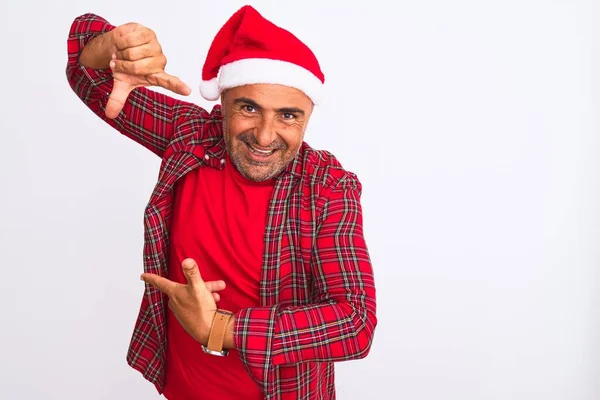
83,29
253,334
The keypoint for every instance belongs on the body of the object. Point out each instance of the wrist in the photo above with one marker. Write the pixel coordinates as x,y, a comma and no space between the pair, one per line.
220,335
108,45
207,322
97,53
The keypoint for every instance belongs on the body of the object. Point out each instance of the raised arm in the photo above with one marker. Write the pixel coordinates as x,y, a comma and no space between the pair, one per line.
116,91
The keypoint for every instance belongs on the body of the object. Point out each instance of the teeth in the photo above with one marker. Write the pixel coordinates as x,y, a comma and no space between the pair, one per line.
264,152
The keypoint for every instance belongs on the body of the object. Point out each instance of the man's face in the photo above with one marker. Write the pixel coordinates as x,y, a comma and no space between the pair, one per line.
264,127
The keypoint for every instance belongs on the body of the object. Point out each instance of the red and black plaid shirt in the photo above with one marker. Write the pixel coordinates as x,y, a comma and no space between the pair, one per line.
317,289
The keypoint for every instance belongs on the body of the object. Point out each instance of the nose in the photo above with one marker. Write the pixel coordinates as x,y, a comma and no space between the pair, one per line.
266,133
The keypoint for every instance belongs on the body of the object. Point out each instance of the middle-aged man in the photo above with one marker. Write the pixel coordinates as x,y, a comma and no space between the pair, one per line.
245,215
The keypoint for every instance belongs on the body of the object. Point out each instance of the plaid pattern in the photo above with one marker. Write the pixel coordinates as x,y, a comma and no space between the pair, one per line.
317,288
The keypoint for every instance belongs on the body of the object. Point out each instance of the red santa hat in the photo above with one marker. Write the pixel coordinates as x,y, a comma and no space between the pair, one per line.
249,49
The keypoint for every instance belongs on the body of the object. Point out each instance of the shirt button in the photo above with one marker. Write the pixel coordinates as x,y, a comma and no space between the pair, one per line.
206,157
222,161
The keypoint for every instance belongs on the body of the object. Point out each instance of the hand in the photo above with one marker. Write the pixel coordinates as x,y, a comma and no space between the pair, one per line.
138,61
193,304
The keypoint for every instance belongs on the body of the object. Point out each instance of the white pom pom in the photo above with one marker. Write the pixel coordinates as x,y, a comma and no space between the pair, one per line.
210,89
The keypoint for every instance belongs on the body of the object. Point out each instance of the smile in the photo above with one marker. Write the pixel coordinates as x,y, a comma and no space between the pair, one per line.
259,152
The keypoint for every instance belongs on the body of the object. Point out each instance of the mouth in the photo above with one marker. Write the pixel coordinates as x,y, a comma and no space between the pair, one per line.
258,153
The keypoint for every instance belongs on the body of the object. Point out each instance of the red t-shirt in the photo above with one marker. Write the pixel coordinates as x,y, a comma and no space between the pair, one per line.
219,220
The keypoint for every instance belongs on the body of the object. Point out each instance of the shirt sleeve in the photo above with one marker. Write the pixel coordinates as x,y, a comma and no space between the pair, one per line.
340,324
148,117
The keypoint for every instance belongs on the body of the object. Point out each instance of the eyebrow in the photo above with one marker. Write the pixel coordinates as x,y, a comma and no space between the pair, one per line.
290,110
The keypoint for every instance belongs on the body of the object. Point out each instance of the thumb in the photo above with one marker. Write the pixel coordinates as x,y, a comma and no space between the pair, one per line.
192,273
117,98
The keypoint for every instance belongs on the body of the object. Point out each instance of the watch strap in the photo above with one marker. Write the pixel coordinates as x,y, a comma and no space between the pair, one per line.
218,328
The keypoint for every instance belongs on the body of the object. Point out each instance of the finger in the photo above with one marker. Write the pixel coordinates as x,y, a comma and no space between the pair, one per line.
192,273
138,37
143,67
125,29
169,82
214,286
216,297
117,98
140,52
163,284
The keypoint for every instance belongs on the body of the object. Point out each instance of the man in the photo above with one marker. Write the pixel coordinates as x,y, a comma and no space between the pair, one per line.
258,275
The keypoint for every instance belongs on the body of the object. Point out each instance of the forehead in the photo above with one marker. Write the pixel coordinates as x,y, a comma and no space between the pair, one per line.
271,96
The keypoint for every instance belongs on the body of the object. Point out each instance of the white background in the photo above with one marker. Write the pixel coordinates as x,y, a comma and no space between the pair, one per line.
473,126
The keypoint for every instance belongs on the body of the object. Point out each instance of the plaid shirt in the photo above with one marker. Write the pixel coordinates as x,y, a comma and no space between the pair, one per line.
317,288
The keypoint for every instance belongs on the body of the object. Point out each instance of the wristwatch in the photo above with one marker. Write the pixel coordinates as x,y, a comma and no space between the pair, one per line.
216,336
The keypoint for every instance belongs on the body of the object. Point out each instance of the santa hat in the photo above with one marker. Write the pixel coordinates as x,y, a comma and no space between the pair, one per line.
249,49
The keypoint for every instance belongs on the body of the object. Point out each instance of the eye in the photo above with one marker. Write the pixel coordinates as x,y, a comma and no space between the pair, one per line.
248,108
289,116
